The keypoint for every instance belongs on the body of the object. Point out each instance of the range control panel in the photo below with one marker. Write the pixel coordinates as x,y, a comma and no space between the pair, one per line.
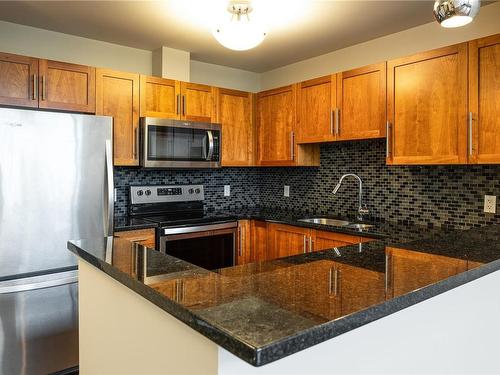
162,193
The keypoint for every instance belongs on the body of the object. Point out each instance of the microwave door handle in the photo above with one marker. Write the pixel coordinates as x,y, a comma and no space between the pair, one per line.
210,145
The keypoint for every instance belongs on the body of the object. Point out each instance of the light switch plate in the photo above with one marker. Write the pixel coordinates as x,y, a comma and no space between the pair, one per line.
490,204
227,190
286,191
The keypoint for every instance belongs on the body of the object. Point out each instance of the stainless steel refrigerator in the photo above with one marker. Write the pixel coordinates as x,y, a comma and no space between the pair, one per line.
56,184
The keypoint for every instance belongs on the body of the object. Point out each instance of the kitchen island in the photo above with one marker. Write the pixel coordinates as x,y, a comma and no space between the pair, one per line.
367,308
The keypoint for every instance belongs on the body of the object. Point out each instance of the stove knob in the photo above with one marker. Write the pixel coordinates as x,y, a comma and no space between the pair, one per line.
191,191
197,191
148,192
139,193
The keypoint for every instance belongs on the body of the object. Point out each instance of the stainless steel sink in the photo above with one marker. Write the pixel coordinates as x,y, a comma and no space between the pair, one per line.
359,226
326,221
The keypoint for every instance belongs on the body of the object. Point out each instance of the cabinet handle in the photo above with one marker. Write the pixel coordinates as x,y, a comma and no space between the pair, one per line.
240,242
332,130
311,242
292,145
177,104
471,149
43,87
337,121
134,143
305,244
387,142
184,105
35,87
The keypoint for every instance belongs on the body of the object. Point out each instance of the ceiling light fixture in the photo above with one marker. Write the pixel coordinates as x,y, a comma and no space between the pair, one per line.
239,33
455,13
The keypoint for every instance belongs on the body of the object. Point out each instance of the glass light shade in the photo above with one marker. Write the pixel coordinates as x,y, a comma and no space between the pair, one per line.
239,34
456,21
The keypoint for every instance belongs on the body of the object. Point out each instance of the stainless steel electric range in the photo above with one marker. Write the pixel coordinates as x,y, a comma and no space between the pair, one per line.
183,228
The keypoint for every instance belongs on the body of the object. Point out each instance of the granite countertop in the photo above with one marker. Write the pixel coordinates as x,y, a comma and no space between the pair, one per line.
264,311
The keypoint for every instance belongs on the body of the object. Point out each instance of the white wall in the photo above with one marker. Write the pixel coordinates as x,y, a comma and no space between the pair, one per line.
31,41
420,38
223,76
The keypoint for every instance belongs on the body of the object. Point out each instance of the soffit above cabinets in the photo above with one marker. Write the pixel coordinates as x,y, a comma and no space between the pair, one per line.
310,28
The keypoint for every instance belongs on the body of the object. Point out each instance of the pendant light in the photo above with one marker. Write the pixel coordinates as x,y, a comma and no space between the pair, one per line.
239,32
455,13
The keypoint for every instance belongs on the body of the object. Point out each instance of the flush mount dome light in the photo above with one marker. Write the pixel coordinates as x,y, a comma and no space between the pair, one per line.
239,32
455,13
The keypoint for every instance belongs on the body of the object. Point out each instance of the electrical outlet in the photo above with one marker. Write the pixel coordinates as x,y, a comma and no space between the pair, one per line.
286,191
490,204
227,190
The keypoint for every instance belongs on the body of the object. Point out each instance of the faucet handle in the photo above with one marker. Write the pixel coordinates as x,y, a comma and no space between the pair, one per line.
363,210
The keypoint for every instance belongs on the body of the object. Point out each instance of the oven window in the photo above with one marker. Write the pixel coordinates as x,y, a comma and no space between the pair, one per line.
176,143
210,252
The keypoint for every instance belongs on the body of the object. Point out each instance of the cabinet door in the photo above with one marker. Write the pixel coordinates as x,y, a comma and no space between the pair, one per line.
18,80
427,107
244,243
484,100
323,240
259,236
234,112
286,240
66,86
411,270
276,123
160,97
359,288
198,102
316,100
361,95
117,95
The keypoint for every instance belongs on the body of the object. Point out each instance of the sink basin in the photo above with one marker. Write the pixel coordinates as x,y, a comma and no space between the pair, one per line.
326,221
359,226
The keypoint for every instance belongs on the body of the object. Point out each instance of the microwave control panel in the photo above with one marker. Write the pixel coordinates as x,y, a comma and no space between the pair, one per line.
161,193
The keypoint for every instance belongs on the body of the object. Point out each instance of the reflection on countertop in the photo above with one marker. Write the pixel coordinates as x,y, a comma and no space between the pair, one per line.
266,310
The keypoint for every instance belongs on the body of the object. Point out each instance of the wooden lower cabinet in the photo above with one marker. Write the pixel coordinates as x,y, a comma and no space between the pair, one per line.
117,95
323,240
410,270
286,240
259,240
145,237
243,242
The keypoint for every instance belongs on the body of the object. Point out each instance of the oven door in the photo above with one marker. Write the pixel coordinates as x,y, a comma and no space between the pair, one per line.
210,247
177,144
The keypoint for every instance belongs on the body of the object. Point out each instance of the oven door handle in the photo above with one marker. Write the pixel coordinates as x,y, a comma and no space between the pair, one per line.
201,228
210,152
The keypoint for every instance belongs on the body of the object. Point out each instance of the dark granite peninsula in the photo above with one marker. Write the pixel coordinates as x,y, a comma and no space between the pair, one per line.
430,291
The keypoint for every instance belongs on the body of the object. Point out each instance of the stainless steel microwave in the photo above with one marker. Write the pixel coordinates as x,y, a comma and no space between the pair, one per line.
179,144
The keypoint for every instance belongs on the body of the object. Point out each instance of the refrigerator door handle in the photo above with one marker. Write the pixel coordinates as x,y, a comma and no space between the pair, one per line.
109,189
23,287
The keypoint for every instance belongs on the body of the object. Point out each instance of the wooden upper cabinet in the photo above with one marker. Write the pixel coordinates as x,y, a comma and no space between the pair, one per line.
198,102
410,270
427,107
276,124
361,96
484,100
286,240
18,80
160,97
117,95
235,113
65,86
316,103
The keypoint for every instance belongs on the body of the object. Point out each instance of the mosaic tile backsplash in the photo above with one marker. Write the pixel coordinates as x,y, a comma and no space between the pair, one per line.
428,195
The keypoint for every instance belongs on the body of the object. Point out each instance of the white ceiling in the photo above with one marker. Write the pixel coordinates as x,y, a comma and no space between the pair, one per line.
298,29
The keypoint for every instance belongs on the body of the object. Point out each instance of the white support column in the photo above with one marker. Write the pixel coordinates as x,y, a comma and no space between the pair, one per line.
171,63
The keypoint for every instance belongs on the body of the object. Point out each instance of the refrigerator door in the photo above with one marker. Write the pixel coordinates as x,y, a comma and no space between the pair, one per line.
56,184
39,324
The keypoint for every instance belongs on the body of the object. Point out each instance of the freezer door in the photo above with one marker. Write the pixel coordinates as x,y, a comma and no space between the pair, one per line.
39,324
56,183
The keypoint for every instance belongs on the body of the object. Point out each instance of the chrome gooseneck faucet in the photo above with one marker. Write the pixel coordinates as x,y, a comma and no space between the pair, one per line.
362,210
